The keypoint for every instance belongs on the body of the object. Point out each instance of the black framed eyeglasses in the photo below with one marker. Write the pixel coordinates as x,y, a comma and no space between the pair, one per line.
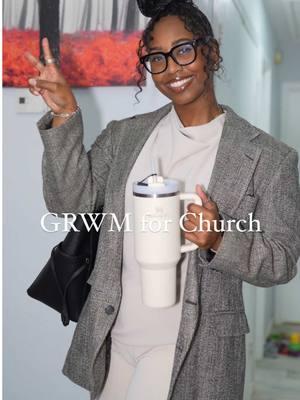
183,54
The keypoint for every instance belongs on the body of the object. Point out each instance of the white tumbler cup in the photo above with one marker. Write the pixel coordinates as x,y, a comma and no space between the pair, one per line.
157,237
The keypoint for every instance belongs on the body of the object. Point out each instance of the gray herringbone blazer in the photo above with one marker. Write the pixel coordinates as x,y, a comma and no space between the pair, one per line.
253,172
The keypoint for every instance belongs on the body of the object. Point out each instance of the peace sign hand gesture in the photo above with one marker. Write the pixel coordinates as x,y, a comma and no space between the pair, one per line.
50,83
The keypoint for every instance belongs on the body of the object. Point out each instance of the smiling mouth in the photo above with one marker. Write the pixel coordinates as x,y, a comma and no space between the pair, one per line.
179,85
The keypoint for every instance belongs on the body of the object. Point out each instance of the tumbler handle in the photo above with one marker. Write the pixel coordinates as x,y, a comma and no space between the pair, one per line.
196,199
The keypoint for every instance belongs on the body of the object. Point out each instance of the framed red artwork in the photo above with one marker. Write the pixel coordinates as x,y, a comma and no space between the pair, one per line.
98,40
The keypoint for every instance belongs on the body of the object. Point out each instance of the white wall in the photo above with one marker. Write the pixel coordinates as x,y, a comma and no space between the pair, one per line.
35,343
287,297
289,69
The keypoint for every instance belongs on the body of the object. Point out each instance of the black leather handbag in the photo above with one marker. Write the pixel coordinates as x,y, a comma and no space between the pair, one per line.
62,283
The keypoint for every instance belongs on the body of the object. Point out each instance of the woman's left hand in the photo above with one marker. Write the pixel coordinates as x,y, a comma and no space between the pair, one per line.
204,238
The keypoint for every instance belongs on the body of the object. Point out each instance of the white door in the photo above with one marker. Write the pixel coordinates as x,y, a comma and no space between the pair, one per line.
264,296
290,130
287,297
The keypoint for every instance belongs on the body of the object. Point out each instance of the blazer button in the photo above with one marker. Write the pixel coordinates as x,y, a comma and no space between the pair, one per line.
109,310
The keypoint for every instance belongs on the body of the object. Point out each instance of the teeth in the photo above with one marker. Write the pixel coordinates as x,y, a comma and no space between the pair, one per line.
177,84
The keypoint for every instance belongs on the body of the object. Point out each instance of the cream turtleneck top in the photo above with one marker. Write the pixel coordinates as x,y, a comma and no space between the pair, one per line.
188,155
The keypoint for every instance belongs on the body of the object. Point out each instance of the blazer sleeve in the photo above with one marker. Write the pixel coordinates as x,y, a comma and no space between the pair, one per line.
268,257
74,180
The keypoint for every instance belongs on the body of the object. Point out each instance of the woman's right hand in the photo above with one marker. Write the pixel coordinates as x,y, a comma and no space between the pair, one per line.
51,84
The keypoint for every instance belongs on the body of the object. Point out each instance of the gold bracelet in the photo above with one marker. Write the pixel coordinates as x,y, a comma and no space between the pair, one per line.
65,115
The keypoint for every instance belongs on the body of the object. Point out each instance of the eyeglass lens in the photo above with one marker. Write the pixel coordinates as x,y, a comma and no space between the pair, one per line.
183,55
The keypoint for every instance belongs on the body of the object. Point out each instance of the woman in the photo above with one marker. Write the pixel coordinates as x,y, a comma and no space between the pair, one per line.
196,349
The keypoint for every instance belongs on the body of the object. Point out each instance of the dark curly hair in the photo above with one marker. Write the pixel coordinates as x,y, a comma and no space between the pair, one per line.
195,21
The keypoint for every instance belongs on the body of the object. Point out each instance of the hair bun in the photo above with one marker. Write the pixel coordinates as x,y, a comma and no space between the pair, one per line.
149,8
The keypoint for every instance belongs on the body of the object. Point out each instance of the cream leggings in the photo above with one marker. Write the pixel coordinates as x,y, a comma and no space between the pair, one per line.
138,372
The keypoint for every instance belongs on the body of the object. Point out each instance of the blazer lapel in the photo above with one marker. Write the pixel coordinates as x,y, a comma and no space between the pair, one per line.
135,133
235,163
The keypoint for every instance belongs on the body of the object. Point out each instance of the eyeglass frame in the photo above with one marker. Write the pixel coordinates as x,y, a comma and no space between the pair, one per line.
195,43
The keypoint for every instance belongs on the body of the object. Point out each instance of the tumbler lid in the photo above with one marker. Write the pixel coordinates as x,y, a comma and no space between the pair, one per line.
156,186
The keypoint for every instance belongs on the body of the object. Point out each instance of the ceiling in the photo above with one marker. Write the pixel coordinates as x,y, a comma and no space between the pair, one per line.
285,20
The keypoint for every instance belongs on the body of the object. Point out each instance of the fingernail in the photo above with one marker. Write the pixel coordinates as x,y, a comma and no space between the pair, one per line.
32,81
